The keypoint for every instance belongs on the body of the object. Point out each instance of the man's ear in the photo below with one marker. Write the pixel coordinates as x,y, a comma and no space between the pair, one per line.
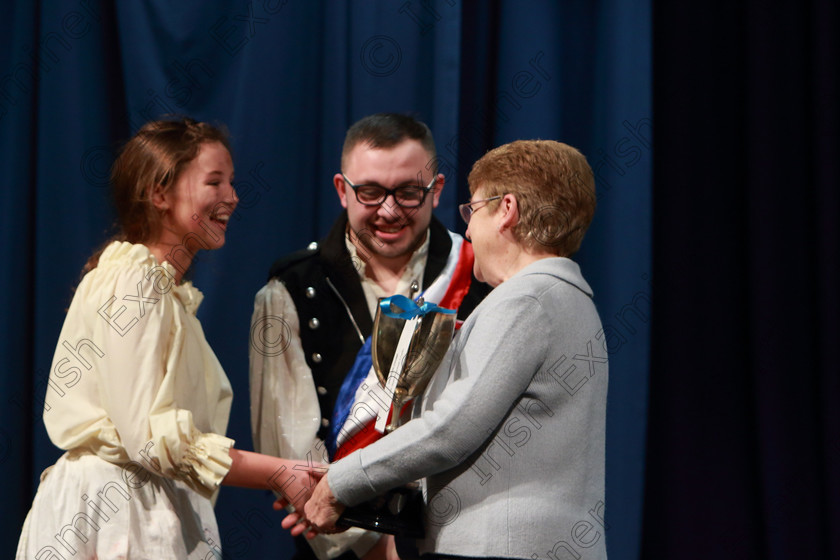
437,188
509,210
340,188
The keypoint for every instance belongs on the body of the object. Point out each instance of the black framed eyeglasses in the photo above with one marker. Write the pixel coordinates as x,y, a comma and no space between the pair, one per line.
374,195
467,209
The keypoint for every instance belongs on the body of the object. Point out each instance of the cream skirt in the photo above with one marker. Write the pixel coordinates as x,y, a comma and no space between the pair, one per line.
88,508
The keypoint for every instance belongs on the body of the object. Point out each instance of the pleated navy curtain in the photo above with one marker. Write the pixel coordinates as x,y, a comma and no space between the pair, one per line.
287,78
744,426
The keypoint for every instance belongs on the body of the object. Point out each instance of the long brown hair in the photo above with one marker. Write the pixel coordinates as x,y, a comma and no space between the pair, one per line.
154,158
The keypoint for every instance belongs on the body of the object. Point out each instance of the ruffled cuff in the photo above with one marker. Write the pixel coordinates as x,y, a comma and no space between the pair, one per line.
206,462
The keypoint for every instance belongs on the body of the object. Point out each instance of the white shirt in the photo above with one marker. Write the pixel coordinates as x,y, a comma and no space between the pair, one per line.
410,283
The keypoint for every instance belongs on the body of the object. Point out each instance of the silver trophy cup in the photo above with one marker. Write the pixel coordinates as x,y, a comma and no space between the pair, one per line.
430,339
399,511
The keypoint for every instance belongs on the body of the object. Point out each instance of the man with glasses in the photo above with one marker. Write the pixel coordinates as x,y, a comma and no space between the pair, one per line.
313,394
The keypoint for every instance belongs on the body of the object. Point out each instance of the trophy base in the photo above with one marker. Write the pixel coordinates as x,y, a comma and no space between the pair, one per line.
397,512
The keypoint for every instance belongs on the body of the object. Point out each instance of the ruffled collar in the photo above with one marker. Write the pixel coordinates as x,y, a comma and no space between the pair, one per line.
139,255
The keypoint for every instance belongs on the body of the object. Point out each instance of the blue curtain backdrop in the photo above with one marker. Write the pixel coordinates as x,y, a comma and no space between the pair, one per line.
743,460
288,77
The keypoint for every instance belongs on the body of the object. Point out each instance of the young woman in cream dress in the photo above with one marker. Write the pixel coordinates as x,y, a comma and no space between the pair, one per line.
143,403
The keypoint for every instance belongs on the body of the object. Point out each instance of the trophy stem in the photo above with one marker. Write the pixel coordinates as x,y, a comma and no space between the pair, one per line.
400,397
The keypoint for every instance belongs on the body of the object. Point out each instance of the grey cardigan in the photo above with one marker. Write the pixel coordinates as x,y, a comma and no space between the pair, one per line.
510,433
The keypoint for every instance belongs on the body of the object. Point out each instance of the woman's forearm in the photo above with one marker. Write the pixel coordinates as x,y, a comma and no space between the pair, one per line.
290,478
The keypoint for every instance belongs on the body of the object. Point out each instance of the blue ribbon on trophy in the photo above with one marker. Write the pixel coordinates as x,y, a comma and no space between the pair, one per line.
410,309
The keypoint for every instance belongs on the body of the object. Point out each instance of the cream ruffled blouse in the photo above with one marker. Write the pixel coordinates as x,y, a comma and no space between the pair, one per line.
133,377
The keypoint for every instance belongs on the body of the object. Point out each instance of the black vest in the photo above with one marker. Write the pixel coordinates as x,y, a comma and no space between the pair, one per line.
325,287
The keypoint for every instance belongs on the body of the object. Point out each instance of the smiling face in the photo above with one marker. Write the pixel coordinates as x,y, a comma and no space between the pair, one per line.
388,233
197,209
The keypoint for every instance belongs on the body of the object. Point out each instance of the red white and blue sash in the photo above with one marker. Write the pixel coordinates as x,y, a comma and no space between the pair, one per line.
361,397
